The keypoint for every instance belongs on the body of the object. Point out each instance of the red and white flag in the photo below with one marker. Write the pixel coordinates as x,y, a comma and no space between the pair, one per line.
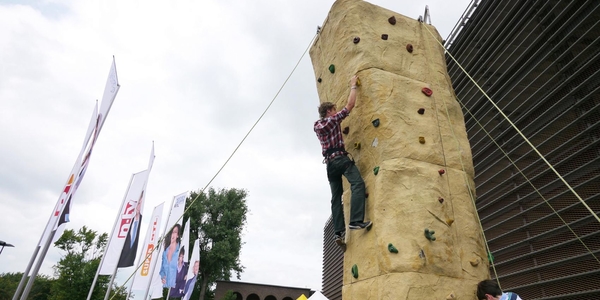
149,255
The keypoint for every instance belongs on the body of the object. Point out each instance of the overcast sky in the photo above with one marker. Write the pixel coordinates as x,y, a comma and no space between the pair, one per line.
194,76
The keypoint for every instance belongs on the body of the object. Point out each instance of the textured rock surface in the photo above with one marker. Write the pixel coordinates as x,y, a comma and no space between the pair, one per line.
404,195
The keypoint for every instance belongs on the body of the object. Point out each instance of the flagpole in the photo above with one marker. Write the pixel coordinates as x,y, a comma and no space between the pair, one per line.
160,248
112,279
109,239
36,269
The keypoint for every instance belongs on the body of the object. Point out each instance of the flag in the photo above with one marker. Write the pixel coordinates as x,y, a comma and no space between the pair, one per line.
148,256
164,270
193,272
62,210
182,263
69,187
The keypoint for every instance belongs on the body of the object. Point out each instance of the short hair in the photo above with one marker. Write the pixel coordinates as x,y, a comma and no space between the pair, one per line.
488,287
324,107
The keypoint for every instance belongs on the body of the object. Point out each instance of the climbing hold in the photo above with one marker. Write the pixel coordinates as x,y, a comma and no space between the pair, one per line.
375,142
319,80
441,199
427,91
449,221
409,48
366,195
475,262
451,296
420,111
357,145
392,249
490,257
384,36
355,271
376,170
422,139
441,171
356,40
375,122
392,20
332,69
429,234
357,81
346,130
421,253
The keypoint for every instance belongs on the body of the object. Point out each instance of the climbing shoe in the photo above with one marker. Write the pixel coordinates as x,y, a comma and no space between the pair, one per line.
360,225
339,238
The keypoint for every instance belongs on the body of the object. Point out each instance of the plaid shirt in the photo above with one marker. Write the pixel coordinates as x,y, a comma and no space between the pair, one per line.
329,132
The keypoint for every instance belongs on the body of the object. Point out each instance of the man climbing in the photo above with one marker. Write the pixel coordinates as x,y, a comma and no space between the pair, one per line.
329,132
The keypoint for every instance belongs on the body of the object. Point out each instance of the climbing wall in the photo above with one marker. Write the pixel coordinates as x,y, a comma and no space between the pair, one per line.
408,138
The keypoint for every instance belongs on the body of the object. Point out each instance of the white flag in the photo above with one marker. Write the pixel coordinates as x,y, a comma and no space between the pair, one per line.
129,215
70,186
193,271
148,254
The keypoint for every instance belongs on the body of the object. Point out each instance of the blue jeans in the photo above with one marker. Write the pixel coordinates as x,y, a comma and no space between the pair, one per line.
339,166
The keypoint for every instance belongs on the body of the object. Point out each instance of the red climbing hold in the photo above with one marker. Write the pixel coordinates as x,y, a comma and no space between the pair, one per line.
441,171
409,48
427,91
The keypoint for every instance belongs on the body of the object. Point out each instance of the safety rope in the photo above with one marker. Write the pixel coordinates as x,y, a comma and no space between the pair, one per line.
228,159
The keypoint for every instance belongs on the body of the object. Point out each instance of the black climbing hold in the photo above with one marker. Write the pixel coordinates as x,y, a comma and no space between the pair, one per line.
332,69
429,234
356,40
355,271
392,249
441,199
366,195
409,48
422,139
346,130
421,111
392,20
384,36
319,80
375,122
376,170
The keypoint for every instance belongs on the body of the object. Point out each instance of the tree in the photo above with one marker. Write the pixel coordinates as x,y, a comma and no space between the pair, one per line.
217,220
39,291
75,271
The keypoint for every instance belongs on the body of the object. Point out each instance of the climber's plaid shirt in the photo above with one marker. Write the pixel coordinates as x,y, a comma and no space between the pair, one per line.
329,132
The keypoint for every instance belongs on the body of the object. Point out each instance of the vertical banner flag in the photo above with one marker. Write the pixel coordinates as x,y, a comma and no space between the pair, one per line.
62,209
182,263
131,211
193,272
123,244
69,188
148,255
169,252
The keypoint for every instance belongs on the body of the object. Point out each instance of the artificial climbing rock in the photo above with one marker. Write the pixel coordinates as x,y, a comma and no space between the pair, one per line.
409,48
376,170
375,122
356,40
421,111
332,68
392,20
392,249
355,271
427,91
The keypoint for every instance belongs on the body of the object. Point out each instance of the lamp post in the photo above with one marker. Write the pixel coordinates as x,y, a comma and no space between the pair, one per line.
4,244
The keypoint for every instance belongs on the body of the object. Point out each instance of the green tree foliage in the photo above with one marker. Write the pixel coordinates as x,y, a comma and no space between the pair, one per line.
217,219
39,291
75,271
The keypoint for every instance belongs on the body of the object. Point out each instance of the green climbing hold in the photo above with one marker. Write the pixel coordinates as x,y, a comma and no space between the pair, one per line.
376,170
392,249
332,69
429,234
490,257
355,271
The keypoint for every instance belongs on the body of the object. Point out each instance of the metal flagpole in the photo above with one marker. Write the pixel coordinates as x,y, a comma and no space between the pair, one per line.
109,287
109,239
36,269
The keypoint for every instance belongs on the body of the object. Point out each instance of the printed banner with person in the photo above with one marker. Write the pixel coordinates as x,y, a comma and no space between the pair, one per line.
149,256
